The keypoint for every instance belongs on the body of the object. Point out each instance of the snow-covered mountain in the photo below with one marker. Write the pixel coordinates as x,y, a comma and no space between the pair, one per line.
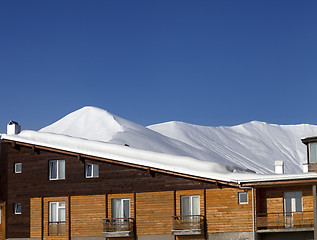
254,145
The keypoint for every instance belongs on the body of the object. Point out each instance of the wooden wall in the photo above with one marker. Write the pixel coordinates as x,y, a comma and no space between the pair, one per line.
152,211
3,221
224,214
36,218
34,182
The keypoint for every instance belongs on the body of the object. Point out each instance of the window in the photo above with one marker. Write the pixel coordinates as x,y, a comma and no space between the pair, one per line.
243,197
57,169
121,208
292,202
313,152
17,208
57,212
92,170
190,205
18,167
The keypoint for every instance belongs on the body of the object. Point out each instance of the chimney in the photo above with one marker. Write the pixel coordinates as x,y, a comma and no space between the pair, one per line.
305,167
13,128
279,167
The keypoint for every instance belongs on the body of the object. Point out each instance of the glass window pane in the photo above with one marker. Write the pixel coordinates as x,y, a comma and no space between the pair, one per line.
185,205
126,208
243,197
61,169
61,214
53,170
88,170
116,208
195,205
18,208
313,152
96,170
18,167
53,212
299,205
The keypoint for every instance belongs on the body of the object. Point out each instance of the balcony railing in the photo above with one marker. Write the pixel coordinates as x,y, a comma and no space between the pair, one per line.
188,225
285,220
56,228
118,227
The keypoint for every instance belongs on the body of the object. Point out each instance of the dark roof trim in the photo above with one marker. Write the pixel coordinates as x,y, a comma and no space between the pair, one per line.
280,182
78,155
309,140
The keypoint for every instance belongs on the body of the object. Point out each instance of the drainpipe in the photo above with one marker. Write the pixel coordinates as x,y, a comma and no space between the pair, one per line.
253,210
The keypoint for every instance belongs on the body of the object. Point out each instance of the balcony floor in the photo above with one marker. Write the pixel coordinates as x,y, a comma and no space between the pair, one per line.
285,230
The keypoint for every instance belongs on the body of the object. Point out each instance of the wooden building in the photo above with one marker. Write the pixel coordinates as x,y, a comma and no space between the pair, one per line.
55,192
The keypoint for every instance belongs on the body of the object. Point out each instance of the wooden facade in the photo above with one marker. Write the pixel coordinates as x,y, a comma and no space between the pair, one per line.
154,197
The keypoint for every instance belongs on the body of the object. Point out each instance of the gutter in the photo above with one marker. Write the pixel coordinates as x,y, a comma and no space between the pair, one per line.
253,210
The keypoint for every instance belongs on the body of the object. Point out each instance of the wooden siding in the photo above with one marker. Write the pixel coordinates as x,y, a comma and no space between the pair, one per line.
312,167
113,179
225,214
3,221
154,212
36,218
87,214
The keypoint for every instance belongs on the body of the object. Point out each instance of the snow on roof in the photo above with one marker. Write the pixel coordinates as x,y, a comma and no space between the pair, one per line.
173,163
205,152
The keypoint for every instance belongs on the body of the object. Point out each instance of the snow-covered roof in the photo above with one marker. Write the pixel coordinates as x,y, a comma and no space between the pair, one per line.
95,132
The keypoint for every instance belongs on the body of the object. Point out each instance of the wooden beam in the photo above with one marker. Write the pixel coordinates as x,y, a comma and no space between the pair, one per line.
134,225
315,211
205,214
69,219
291,182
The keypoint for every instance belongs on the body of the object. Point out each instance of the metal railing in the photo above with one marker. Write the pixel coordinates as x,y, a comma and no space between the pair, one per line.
56,228
118,224
188,222
284,220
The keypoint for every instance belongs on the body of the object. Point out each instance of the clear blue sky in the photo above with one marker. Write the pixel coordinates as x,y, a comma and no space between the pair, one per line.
203,62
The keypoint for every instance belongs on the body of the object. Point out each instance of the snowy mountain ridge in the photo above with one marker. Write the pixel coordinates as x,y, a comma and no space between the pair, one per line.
254,145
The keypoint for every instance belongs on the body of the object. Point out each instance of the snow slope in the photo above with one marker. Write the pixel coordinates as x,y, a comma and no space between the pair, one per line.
254,145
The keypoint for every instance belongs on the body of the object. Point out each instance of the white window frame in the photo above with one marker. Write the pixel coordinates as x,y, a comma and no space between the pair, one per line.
16,170
122,200
191,204
240,196
58,207
94,170
58,174
16,205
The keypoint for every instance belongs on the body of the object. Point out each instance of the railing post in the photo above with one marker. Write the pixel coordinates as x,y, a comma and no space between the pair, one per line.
315,211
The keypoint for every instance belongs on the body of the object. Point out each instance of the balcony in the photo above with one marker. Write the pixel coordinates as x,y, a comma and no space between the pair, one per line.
118,227
285,222
188,225
56,228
